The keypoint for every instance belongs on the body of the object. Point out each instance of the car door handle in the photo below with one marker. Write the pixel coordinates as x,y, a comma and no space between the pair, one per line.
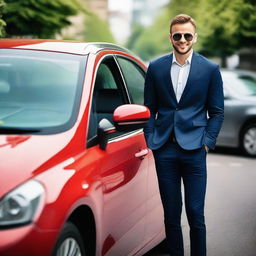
141,154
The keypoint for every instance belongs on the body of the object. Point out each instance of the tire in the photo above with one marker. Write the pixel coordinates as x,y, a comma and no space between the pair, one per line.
248,140
69,242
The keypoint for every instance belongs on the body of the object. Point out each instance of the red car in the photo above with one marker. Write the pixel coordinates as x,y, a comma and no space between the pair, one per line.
76,175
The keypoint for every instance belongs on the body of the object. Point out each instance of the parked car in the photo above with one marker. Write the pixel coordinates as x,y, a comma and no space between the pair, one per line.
76,176
239,127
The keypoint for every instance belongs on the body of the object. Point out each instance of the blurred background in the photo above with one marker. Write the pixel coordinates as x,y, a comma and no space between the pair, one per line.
227,35
227,29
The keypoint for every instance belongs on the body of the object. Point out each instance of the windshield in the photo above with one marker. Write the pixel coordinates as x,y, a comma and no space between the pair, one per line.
243,84
39,91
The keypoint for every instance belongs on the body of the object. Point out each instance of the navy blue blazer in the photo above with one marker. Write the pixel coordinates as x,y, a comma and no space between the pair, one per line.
197,118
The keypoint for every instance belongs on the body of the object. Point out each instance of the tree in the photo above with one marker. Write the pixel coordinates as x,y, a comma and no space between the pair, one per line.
227,27
154,40
2,23
38,18
97,30
137,30
224,27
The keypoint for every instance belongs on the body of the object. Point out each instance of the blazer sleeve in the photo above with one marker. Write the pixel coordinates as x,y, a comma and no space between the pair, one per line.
215,108
150,100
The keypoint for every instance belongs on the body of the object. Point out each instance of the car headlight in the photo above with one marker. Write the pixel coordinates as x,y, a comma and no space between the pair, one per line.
20,205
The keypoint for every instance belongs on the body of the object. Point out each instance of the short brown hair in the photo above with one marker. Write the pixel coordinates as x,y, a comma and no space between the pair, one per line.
182,19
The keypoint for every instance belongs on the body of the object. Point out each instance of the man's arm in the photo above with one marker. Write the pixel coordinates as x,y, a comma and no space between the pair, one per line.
215,107
150,100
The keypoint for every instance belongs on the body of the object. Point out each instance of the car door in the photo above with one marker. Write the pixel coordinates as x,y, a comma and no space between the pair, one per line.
229,131
123,169
134,76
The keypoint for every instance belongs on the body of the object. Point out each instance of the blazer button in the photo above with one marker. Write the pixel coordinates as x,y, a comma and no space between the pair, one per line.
176,108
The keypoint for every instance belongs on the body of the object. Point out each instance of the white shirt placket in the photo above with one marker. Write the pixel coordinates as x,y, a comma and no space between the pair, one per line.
179,89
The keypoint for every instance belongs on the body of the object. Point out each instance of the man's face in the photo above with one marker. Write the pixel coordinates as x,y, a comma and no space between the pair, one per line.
183,45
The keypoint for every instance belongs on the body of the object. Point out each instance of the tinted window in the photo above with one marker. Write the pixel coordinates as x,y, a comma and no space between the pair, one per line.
242,83
39,91
134,77
107,95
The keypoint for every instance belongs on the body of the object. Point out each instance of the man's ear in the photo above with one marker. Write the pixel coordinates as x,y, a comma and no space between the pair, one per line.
195,37
170,37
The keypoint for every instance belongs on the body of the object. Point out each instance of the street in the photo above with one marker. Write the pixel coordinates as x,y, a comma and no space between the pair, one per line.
230,207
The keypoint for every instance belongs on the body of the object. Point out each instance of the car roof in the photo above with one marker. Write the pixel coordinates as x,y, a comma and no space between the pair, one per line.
74,47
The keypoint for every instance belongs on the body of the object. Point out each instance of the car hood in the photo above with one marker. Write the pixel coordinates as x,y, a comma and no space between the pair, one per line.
23,156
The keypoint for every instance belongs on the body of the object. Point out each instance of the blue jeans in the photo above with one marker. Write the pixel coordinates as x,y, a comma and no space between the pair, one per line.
174,164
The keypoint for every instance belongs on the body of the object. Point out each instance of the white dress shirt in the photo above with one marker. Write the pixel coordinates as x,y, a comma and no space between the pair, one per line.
179,75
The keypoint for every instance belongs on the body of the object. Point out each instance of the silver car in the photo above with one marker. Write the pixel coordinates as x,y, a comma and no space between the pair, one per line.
239,127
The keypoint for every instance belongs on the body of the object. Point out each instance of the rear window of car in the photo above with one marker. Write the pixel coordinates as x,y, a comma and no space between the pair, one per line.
242,83
39,91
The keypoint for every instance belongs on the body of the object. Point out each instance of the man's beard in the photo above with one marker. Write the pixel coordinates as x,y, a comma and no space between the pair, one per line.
182,53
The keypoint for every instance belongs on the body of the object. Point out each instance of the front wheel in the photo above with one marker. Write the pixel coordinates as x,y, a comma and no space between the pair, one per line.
69,242
248,140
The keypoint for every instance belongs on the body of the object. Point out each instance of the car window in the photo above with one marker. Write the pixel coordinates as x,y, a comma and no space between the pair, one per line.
134,77
249,82
241,83
108,94
39,91
104,78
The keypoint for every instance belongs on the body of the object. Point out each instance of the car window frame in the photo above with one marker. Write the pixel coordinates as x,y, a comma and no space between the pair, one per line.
83,61
90,142
141,69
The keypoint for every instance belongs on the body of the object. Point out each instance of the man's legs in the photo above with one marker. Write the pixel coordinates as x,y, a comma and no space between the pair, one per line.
194,178
169,179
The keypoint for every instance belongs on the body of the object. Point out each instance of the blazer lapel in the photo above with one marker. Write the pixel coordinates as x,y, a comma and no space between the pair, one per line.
167,76
193,73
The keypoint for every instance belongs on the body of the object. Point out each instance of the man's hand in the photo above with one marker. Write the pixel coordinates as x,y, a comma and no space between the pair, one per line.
206,148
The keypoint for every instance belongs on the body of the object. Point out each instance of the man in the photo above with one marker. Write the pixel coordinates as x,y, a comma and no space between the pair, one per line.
184,93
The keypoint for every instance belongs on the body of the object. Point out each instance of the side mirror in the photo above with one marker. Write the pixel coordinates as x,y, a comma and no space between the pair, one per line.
104,129
130,117
126,118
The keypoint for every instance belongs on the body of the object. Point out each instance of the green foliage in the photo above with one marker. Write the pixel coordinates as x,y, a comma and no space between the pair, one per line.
38,18
136,32
2,23
224,27
189,7
96,30
228,27
153,41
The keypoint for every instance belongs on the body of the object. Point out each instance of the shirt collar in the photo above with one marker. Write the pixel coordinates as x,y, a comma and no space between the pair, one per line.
188,60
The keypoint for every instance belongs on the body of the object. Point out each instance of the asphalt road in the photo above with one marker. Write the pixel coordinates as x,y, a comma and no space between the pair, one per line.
230,207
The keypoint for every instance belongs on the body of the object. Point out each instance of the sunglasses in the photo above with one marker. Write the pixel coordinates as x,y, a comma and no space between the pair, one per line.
178,36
